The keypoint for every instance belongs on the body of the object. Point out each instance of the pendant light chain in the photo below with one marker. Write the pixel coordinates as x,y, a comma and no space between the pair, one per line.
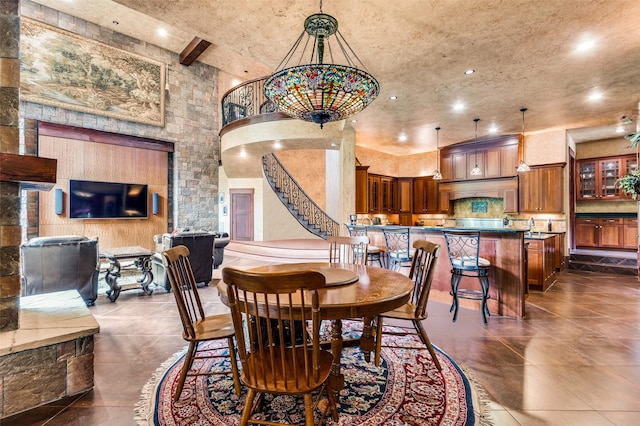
437,175
476,170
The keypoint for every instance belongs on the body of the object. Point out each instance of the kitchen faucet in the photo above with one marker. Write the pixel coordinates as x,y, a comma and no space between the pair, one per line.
367,219
532,223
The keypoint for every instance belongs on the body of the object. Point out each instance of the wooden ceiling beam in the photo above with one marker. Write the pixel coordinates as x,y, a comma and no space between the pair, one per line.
194,49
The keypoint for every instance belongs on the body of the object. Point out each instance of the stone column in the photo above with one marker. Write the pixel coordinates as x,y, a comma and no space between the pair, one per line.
9,143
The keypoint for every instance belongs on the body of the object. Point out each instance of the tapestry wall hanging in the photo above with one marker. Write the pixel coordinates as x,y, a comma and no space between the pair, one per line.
62,69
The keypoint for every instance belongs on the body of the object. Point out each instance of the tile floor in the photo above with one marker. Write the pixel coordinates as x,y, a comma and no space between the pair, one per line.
575,359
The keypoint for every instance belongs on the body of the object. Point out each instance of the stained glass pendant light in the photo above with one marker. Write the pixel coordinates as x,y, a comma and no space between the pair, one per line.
437,175
522,167
321,92
476,170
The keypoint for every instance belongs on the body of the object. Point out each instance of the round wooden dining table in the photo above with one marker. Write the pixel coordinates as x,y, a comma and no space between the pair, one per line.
352,291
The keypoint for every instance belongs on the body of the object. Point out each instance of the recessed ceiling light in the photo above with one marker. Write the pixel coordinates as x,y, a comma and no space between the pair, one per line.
469,72
402,137
393,98
277,145
493,129
162,32
585,45
243,153
459,106
334,144
620,129
354,121
596,96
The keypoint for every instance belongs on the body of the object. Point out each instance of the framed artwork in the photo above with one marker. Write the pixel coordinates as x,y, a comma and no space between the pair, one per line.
62,69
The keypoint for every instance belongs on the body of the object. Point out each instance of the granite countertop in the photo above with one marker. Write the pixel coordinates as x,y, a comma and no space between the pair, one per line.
446,228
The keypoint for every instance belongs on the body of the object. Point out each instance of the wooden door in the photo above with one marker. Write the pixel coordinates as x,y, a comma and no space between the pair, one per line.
586,232
405,191
586,182
508,160
374,194
534,262
609,173
528,197
611,233
446,167
241,214
472,161
492,163
431,195
459,166
419,202
550,197
361,190
630,233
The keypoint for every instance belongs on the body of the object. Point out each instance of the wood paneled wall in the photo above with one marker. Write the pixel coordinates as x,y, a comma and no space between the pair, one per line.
87,160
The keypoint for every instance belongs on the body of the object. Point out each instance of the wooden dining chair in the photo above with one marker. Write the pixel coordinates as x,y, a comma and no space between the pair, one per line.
374,253
348,249
197,327
423,266
267,307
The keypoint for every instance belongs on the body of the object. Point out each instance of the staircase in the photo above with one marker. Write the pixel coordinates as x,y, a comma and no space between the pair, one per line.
307,213
612,262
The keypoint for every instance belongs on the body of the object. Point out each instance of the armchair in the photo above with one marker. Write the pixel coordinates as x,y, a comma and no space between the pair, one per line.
201,248
49,264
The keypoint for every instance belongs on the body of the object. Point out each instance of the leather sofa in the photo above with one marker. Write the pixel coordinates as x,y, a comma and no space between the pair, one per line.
71,262
201,248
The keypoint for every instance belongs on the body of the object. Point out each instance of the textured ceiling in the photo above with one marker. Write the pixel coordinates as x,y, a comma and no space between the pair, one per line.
523,51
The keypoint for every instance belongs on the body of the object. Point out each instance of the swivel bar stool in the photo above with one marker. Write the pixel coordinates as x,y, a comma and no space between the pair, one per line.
463,248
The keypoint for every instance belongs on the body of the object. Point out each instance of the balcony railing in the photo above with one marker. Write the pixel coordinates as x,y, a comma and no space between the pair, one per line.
246,100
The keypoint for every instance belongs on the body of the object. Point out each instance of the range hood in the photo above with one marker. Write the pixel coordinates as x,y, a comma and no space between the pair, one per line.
507,189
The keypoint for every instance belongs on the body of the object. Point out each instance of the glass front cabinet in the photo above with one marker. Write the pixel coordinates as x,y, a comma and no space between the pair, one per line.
597,177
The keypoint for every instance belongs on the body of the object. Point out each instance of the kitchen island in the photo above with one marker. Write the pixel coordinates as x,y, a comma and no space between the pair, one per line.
503,247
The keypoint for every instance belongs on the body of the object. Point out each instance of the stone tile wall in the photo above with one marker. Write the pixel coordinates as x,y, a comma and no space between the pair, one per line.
38,376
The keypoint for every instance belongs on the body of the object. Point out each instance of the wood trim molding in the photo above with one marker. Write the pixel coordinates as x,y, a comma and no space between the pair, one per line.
90,135
483,143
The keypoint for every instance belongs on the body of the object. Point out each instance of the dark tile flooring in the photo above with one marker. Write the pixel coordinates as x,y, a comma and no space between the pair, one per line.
575,359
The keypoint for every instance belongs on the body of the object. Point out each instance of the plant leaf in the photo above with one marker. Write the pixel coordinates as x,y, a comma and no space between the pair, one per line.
633,138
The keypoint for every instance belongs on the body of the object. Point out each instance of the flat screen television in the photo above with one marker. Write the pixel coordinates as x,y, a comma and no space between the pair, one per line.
107,200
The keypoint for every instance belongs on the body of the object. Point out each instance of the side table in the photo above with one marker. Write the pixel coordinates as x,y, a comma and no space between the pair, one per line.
142,261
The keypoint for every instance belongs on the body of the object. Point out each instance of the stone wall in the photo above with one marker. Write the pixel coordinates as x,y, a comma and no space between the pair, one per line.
191,119
38,376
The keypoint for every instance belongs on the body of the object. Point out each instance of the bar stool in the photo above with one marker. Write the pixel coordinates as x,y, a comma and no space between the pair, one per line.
398,252
463,248
373,252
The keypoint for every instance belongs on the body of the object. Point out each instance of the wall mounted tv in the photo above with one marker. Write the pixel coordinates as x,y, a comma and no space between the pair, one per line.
107,200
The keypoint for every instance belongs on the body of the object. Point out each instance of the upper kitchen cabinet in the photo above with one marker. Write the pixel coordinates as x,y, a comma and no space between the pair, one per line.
388,194
496,157
362,205
596,180
425,195
541,190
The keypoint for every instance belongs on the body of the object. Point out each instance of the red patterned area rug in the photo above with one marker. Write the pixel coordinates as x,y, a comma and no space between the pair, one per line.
406,389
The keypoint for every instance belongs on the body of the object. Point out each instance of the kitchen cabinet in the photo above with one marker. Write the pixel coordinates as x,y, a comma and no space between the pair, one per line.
560,241
541,262
597,177
599,232
425,195
405,201
373,185
388,194
382,194
362,205
541,190
495,160
630,237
